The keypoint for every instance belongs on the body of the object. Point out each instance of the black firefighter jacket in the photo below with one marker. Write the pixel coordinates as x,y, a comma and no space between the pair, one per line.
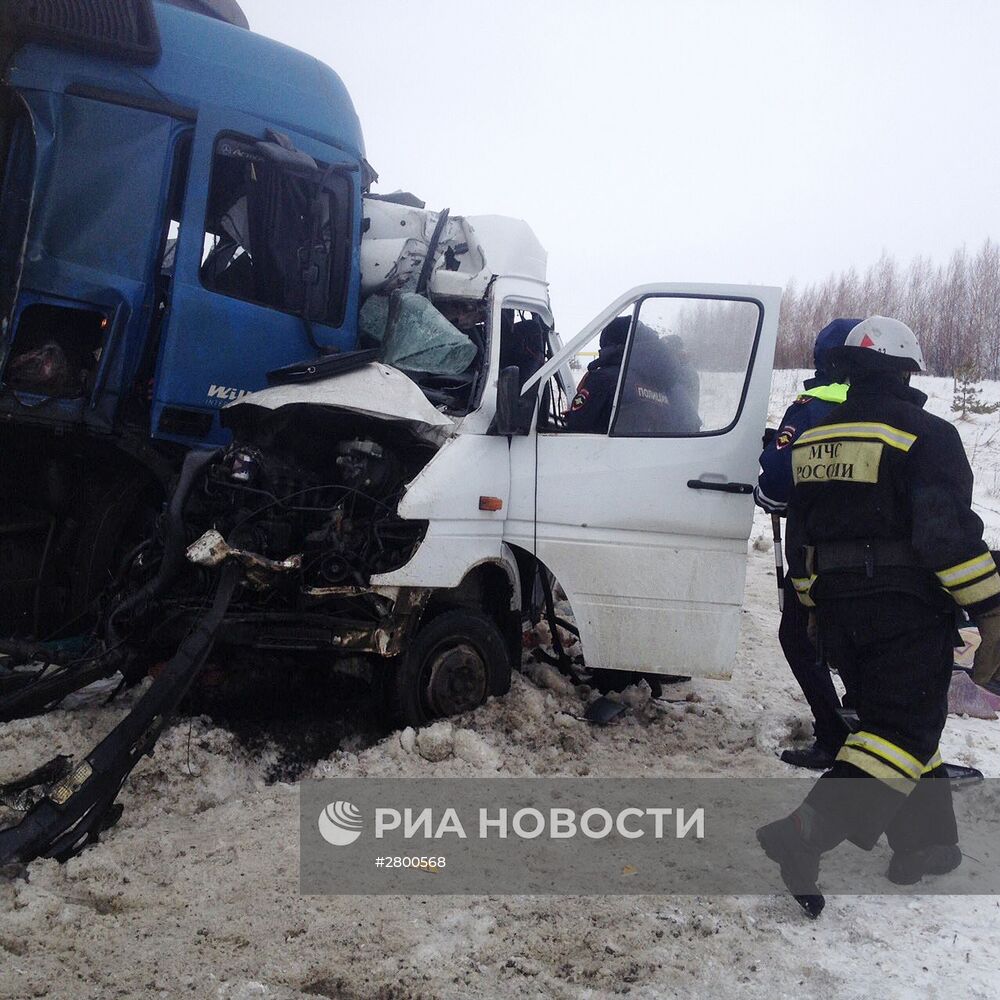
879,477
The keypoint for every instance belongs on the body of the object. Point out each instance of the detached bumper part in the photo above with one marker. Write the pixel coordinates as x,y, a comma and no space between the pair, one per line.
80,806
212,550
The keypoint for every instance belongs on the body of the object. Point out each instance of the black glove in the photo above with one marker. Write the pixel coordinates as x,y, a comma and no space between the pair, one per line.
987,662
769,433
812,629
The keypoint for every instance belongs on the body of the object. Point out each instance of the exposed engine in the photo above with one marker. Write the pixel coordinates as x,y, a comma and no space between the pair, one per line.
311,516
339,520
268,546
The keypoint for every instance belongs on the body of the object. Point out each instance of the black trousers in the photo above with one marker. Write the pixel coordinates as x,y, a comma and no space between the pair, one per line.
895,653
812,675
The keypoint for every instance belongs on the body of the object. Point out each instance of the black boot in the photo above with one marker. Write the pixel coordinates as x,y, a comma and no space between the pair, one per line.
959,775
909,867
815,757
783,843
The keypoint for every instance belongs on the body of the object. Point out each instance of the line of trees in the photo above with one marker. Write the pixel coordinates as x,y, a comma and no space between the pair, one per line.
953,308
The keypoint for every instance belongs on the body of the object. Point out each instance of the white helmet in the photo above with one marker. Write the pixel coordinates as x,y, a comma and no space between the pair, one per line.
893,340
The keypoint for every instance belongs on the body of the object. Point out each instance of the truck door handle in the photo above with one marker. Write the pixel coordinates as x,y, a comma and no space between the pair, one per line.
701,484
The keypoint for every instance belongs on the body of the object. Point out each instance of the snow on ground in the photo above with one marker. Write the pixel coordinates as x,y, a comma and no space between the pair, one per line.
195,892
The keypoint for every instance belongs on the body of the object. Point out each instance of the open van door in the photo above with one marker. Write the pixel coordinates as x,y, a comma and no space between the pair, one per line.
645,520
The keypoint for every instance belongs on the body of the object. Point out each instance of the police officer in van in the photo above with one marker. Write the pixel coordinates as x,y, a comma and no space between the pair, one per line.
883,548
659,394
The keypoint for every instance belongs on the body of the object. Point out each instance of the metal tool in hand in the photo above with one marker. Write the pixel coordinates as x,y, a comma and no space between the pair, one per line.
779,562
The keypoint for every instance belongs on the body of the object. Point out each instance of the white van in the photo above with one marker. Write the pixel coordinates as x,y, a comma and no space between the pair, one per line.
643,523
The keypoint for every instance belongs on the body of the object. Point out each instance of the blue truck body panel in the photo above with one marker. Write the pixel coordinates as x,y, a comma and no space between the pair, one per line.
107,139
208,61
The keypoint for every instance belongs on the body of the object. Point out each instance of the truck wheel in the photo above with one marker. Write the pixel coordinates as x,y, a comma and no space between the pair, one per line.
452,664
120,513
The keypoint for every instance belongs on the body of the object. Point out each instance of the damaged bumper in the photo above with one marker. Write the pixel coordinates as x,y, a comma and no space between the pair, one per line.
302,633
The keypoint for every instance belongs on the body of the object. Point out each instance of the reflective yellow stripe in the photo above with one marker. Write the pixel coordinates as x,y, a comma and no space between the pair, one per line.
935,761
978,591
882,432
865,762
802,585
895,755
967,570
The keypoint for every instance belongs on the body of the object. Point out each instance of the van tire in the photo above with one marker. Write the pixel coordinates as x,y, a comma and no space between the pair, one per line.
452,664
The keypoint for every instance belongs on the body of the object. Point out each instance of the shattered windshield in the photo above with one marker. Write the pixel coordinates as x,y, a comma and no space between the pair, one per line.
441,345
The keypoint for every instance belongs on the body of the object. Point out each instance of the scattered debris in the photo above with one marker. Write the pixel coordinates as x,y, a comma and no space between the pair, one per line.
603,710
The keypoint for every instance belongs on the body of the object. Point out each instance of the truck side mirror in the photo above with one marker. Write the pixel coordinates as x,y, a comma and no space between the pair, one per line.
510,417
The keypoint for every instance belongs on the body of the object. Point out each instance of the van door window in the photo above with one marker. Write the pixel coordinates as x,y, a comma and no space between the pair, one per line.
277,231
686,366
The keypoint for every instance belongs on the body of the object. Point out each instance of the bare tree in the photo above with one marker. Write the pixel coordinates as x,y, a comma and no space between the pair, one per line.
953,308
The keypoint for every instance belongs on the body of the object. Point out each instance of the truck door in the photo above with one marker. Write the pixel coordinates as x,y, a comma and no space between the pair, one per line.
249,258
644,519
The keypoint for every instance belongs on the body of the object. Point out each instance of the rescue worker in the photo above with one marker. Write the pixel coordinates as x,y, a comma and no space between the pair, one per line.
884,545
820,395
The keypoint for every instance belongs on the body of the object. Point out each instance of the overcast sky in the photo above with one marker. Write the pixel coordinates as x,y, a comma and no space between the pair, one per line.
678,140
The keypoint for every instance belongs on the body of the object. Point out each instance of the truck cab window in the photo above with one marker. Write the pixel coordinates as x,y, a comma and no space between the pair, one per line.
84,220
277,234
58,350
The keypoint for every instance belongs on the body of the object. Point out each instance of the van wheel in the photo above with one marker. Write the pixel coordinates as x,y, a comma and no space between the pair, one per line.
452,664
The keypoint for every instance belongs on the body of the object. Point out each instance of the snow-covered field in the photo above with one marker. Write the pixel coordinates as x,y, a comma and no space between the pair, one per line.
195,892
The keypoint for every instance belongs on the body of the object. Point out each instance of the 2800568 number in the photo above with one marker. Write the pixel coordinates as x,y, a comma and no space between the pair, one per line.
410,861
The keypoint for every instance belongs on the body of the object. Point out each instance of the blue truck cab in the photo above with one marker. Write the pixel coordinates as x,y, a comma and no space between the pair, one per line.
180,213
